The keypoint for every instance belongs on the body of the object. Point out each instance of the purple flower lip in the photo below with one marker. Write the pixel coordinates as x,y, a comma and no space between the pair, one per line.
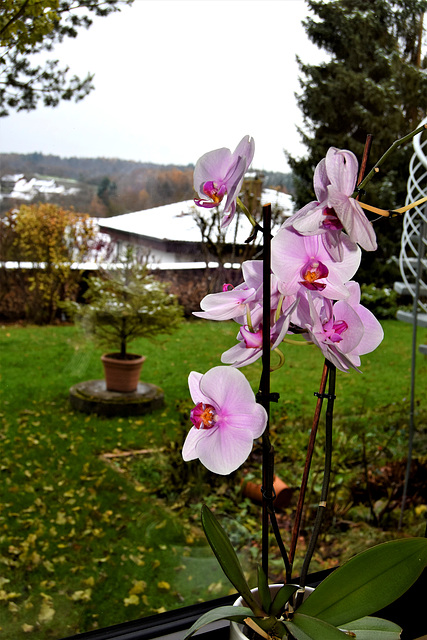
253,340
334,334
214,192
312,271
203,416
331,221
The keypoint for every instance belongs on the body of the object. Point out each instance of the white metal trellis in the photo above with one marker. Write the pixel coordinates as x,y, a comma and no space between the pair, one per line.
412,259
413,267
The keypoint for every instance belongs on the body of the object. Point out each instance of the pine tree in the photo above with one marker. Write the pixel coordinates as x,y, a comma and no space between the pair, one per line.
374,82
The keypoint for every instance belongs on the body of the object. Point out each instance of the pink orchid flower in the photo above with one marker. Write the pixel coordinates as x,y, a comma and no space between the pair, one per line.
335,179
234,303
220,173
343,331
226,419
226,305
304,260
249,346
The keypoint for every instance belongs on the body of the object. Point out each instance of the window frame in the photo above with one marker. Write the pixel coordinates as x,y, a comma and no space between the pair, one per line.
408,612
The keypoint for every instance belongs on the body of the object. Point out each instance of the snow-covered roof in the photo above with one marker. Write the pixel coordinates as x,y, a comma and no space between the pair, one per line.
27,189
175,221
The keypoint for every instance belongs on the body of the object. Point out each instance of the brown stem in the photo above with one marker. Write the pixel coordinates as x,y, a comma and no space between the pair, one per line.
368,489
364,162
326,476
395,145
310,449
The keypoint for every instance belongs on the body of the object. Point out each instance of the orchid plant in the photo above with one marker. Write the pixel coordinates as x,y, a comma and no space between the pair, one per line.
302,286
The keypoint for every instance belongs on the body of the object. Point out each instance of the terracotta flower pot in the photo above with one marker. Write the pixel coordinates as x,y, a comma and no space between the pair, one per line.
283,493
121,374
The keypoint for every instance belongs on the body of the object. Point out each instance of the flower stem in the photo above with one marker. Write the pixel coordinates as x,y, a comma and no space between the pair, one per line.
310,449
364,162
395,145
264,397
247,213
264,390
326,475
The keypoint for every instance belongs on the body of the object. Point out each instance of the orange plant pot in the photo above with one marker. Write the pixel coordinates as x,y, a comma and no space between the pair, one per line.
122,375
283,492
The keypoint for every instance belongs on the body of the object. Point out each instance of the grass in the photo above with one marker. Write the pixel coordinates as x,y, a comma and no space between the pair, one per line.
87,541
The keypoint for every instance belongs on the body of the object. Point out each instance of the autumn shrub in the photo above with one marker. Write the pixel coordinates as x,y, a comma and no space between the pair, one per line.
54,241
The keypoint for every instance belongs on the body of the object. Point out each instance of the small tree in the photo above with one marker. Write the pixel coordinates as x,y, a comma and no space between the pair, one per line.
124,304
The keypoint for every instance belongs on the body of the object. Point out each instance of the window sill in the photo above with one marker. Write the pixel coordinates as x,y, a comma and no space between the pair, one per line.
408,612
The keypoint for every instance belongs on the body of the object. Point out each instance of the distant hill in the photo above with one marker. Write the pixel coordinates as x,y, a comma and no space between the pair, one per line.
106,186
90,170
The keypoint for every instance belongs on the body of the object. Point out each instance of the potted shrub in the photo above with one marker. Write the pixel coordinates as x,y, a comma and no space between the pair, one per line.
124,303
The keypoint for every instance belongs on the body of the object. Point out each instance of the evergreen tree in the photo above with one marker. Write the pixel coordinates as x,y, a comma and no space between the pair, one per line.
374,82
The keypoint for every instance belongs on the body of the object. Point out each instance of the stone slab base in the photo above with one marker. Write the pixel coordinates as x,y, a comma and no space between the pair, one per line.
92,397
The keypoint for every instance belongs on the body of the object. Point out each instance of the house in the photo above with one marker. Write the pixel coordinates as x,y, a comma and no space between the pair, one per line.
171,236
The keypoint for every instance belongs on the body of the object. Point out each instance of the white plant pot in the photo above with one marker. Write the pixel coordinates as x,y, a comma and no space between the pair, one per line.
236,630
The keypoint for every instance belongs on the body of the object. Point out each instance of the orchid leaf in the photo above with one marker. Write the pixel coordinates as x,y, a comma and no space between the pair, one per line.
236,614
304,627
281,598
368,582
264,590
227,558
369,628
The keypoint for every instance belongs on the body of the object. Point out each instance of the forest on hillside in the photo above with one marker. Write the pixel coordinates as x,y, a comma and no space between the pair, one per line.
110,186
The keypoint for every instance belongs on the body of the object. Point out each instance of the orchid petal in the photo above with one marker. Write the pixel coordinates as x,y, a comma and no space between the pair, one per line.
310,219
194,386
246,149
240,355
213,165
355,222
225,305
342,167
321,180
189,449
224,388
229,451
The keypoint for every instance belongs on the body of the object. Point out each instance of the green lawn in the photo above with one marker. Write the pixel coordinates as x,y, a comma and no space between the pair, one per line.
86,541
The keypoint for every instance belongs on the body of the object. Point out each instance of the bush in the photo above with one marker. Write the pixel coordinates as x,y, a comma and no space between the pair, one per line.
53,240
382,301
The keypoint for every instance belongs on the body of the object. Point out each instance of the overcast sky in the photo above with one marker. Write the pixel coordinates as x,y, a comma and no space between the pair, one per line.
177,78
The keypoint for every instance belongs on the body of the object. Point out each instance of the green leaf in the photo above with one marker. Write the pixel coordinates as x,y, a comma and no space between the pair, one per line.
281,598
304,627
373,629
368,582
227,558
236,614
264,590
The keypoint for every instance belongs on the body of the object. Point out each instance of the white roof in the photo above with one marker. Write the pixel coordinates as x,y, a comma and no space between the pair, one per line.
175,221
